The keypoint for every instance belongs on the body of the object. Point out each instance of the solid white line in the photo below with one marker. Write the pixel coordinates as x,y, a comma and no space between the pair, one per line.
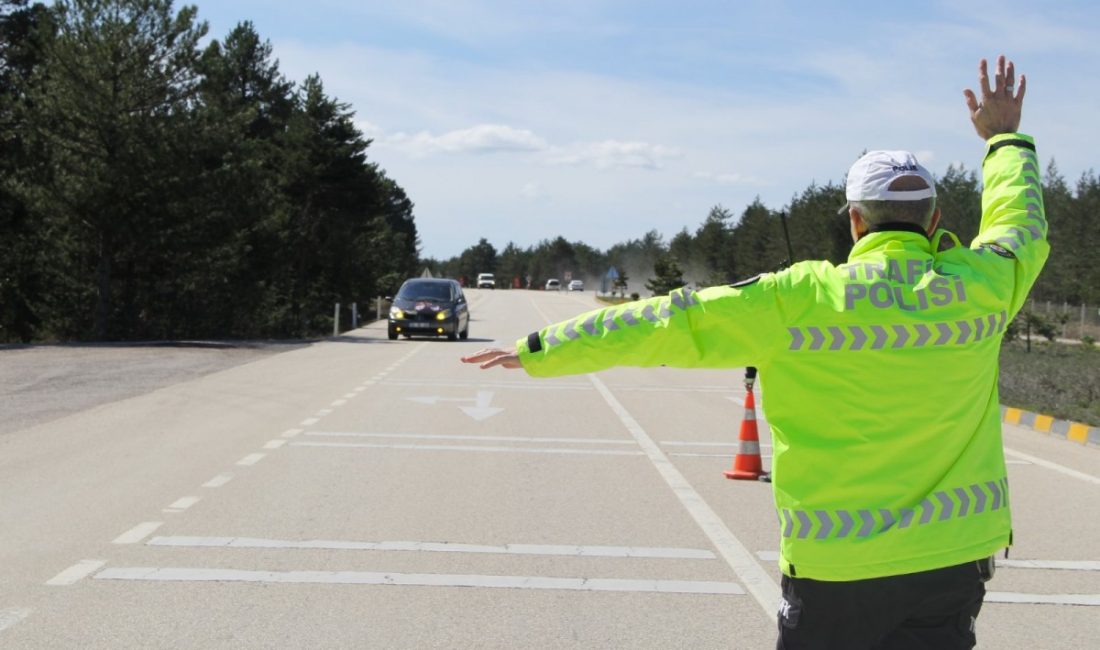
183,504
251,459
439,547
308,422
138,533
423,580
1086,600
76,573
499,450
1054,466
218,481
1058,565
290,433
756,580
9,617
1016,462
670,443
434,436
274,444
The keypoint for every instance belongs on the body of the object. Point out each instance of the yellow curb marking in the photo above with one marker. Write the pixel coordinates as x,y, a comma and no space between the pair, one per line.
1012,416
1043,422
1078,432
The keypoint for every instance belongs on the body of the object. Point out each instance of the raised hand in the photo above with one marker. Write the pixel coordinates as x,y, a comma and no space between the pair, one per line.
1000,106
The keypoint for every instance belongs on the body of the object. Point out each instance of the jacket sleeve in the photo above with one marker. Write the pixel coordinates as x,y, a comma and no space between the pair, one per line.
719,327
1014,222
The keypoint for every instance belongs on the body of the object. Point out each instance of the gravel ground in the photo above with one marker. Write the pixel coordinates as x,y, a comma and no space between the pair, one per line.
43,383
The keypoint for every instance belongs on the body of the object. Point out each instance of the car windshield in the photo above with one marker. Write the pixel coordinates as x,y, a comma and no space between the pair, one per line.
425,291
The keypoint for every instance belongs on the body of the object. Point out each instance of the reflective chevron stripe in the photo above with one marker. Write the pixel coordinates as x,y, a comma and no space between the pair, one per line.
878,337
614,320
944,505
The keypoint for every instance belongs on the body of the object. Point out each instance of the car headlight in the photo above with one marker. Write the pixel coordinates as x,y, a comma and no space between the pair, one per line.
397,313
443,314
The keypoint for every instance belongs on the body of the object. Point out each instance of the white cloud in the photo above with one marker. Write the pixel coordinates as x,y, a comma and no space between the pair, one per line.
532,191
615,153
483,138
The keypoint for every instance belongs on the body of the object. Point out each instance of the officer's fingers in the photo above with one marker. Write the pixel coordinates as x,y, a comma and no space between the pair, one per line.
999,75
1010,78
971,101
505,360
483,354
983,78
1021,90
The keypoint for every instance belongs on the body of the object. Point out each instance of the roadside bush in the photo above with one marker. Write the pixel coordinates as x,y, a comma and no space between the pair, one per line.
1057,379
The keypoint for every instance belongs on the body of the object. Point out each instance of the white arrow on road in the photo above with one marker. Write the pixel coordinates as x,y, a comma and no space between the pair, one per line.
480,411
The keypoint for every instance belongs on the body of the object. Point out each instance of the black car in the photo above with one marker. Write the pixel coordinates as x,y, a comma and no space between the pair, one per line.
429,307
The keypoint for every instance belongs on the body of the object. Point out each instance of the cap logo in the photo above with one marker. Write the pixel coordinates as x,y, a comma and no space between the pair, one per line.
905,168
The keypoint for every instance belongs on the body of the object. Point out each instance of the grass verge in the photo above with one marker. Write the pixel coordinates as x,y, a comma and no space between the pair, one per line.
1054,379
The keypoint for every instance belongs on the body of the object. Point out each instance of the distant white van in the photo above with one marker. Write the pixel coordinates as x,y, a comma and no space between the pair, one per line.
486,281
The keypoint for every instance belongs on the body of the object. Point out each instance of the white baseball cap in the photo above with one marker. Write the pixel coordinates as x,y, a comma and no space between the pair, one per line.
869,179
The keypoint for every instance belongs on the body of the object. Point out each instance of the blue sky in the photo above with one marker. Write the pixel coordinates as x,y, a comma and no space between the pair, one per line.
599,120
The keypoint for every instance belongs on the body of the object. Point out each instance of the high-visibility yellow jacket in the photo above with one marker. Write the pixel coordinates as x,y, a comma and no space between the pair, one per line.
879,378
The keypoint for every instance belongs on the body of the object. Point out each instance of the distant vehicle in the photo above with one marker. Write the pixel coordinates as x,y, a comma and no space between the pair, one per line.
486,281
429,307
553,284
576,285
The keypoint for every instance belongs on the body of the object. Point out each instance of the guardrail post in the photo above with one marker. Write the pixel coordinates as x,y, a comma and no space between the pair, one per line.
354,315
336,321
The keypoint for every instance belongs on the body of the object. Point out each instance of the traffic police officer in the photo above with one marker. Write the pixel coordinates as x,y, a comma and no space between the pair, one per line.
881,380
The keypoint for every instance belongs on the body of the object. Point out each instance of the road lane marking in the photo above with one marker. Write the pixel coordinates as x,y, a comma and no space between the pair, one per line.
498,450
76,573
274,444
251,459
1057,565
691,455
351,395
339,402
439,436
1085,600
218,481
422,580
439,547
182,504
1054,466
291,433
324,413
138,533
678,443
9,617
308,422
755,578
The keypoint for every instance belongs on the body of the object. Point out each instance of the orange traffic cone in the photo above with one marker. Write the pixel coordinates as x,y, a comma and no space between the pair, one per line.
746,464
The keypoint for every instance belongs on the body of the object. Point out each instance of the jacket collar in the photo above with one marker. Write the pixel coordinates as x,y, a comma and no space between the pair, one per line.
891,240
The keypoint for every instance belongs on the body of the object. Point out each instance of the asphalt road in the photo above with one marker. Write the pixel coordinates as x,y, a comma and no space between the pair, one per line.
361,493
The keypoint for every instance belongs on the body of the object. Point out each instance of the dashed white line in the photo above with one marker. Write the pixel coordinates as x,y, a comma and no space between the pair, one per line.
438,436
9,617
350,396
182,504
251,459
274,444
138,533
470,448
76,573
423,580
1057,565
308,422
339,402
438,547
360,389
218,481
290,433
324,412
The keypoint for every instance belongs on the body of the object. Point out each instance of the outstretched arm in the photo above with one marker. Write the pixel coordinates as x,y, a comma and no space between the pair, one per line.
489,357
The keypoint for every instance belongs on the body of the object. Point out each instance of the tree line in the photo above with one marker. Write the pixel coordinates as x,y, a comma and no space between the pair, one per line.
726,247
152,187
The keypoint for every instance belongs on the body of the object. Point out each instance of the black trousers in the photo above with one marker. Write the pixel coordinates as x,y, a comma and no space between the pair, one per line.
934,610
